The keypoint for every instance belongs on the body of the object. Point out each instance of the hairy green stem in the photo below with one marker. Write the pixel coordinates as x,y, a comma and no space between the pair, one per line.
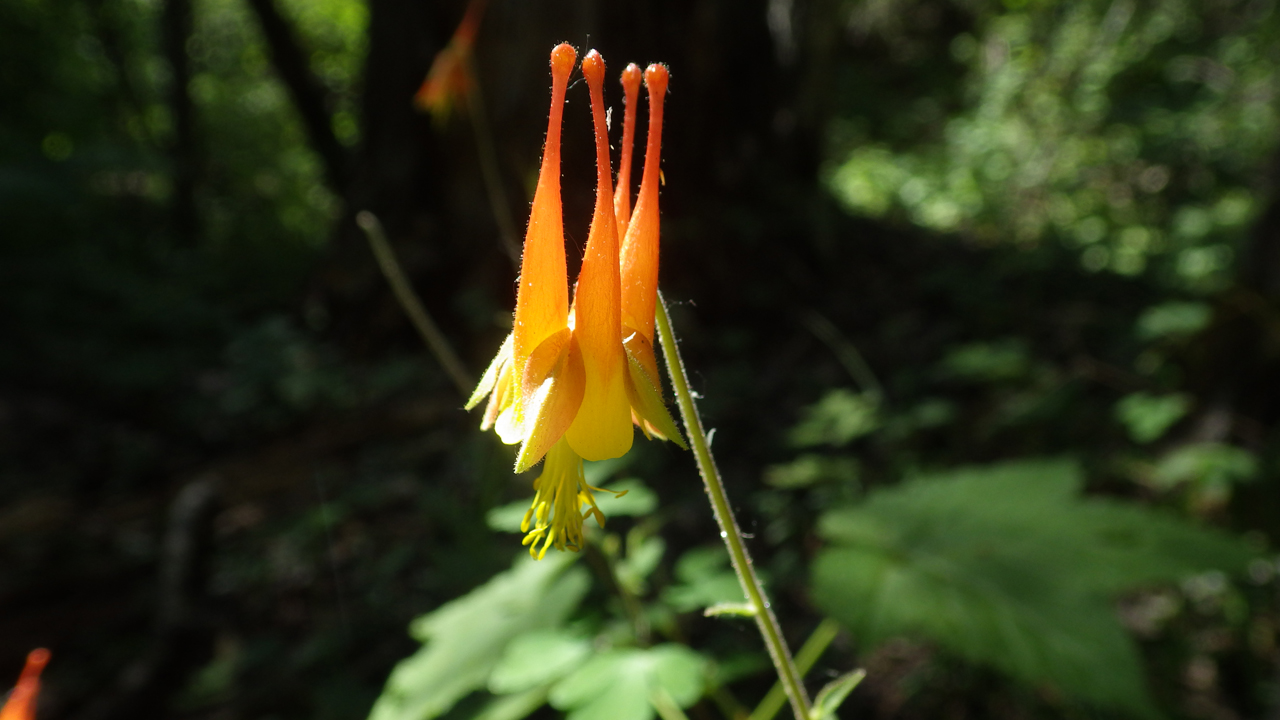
751,587
808,655
413,307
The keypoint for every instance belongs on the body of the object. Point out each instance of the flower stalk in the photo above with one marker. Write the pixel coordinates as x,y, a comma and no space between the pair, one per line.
766,621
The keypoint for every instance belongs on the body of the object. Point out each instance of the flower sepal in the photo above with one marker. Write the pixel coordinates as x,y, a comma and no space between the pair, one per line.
552,389
643,390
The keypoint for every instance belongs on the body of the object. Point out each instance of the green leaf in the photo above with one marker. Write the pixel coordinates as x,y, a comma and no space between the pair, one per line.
831,696
1173,319
618,684
643,556
513,707
840,417
810,469
1147,417
1206,464
1006,565
464,639
538,658
638,501
987,362
705,579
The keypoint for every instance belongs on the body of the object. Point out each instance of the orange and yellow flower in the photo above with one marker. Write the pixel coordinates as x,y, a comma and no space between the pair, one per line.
21,704
571,379
449,79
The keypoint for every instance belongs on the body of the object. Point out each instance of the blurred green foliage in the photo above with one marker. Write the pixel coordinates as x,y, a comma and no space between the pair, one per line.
1129,131
1007,566
1021,229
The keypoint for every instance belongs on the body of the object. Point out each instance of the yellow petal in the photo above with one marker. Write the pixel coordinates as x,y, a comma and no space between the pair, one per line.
501,400
508,429
490,377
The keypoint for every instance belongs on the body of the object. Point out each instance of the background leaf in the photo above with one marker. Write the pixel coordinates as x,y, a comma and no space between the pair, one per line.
464,640
1006,565
618,684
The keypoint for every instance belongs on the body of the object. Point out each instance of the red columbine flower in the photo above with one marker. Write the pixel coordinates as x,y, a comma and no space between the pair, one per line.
22,701
563,385
449,79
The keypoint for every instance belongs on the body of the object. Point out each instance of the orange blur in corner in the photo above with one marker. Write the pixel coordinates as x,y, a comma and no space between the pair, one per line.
449,80
22,701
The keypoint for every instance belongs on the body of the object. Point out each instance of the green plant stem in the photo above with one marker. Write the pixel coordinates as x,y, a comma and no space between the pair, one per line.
413,307
846,352
751,587
808,655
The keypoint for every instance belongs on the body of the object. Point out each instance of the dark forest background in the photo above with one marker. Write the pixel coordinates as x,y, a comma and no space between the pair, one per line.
982,300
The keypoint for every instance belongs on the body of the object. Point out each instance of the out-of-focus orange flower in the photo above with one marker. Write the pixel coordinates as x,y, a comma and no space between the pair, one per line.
22,701
565,384
449,79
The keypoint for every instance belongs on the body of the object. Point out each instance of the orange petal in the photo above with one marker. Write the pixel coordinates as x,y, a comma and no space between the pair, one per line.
465,35
540,364
602,428
542,297
447,83
640,246
22,701
622,196
551,406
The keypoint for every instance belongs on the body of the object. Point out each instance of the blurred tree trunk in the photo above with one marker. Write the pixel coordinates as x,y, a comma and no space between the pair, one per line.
175,31
391,152
308,94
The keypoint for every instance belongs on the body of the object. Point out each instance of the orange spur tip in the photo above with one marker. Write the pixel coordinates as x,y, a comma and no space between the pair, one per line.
655,78
563,56
593,69
631,79
37,659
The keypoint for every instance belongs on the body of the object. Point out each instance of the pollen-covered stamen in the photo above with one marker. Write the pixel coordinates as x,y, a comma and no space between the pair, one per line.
622,194
555,518
639,254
